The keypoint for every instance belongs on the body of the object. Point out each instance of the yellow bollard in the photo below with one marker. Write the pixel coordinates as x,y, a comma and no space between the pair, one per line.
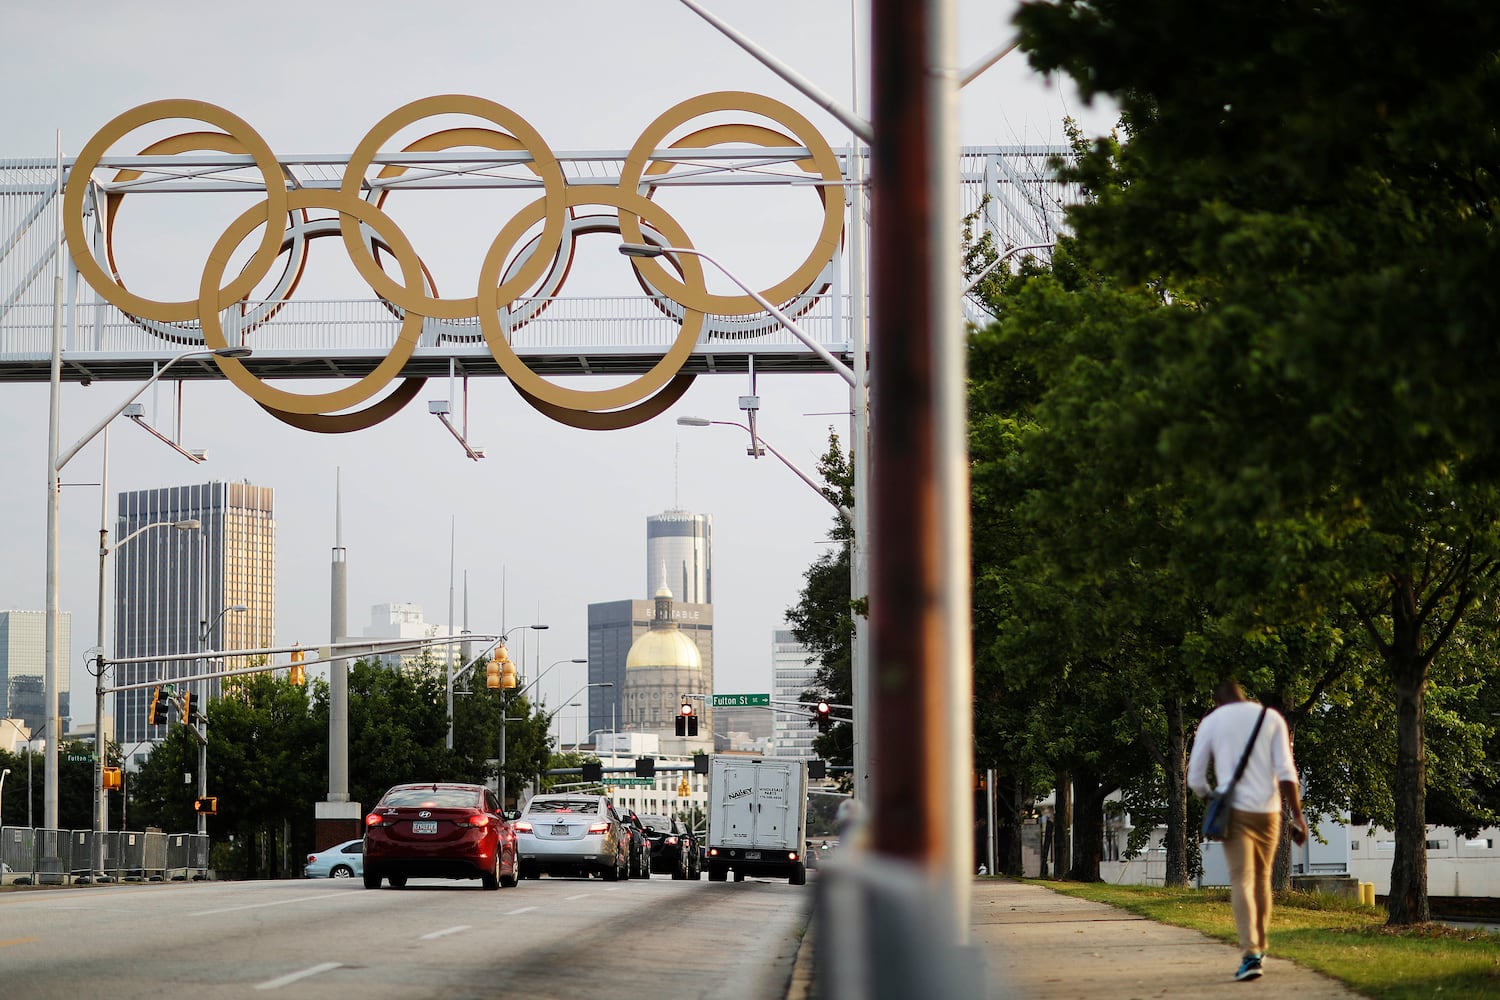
1367,893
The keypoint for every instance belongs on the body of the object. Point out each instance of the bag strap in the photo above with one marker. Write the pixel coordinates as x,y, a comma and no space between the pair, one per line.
1245,757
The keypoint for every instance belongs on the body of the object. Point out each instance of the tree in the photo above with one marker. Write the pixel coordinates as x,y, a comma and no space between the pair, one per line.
1317,189
823,617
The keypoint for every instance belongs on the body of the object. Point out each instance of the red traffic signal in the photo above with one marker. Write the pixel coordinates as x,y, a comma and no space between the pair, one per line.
824,716
687,721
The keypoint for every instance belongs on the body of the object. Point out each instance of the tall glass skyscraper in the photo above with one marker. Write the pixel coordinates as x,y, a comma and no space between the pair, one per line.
791,674
679,555
172,584
23,668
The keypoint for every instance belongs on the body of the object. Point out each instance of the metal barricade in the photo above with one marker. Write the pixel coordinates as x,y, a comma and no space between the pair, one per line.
34,856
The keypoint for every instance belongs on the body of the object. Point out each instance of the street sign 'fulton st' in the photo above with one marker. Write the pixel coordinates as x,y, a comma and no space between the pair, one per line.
740,700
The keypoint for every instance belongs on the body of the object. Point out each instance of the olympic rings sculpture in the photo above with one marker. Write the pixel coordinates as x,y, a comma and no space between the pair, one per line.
508,271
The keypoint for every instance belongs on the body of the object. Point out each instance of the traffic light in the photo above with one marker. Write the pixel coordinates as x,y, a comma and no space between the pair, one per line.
206,805
700,763
687,722
158,715
187,708
298,673
817,768
112,778
645,767
683,791
593,770
824,715
500,675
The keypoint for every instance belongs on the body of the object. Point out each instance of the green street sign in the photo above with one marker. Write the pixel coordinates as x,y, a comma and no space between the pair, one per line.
80,758
630,781
741,700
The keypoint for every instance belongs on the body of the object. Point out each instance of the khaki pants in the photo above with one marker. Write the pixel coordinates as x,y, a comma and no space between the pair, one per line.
1250,850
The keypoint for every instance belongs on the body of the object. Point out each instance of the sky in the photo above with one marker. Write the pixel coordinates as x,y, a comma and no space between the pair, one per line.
553,519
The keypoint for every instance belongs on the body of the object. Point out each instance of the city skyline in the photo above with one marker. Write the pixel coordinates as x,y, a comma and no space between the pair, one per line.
529,517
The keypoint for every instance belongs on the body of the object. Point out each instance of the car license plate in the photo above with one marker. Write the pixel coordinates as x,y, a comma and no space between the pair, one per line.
752,855
560,830
424,826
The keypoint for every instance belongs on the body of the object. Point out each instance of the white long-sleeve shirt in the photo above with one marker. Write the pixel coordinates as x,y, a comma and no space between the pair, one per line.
1221,740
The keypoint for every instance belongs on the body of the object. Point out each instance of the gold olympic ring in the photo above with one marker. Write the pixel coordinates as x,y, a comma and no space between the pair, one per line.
544,163
490,291
613,420
824,163
344,423
337,399
260,262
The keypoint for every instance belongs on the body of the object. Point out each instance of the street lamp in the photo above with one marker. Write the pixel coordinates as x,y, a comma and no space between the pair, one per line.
861,682
202,736
3,773
758,446
56,459
101,663
451,675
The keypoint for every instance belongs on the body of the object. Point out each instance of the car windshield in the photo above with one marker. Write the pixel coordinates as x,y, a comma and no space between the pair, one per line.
658,823
563,806
432,798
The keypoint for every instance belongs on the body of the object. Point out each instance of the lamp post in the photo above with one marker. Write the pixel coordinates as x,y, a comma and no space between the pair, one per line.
506,682
56,459
202,735
758,446
3,773
101,801
450,676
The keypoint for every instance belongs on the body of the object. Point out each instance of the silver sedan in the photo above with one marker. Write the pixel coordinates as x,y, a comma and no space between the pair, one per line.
571,835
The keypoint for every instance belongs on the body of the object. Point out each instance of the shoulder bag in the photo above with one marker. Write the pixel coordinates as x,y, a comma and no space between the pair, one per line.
1216,814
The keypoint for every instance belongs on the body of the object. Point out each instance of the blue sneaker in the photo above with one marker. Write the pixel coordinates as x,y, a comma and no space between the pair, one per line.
1249,968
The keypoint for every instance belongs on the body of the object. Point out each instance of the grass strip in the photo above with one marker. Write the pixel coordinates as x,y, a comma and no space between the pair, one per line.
1338,937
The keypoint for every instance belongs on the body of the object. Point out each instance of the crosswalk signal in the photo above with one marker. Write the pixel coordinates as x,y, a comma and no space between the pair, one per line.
113,780
206,805
645,767
158,714
687,722
593,770
824,716
298,673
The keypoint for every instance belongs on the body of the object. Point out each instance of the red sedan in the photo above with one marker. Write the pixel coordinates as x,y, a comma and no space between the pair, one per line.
440,830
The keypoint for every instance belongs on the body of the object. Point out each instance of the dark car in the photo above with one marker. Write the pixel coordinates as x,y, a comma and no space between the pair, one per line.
674,849
439,830
640,844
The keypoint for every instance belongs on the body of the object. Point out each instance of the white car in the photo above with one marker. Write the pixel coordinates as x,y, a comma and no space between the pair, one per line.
564,834
346,860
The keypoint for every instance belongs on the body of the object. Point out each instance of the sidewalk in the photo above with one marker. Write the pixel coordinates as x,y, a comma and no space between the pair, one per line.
1039,945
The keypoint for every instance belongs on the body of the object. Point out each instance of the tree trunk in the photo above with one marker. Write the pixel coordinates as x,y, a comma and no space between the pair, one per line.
1407,903
1011,863
1062,825
1177,793
1088,826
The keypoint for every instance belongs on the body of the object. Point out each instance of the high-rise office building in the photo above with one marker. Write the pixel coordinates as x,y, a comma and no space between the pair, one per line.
23,668
171,585
791,674
679,554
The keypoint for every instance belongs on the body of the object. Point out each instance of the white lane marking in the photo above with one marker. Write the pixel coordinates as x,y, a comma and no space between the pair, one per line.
581,895
445,932
275,902
524,909
292,977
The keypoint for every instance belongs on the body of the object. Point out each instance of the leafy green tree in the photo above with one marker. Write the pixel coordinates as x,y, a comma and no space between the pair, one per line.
1317,189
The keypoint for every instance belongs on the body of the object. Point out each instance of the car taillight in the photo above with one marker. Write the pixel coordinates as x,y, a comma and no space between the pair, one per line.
791,855
671,840
311,858
477,819
375,819
713,852
522,826
599,828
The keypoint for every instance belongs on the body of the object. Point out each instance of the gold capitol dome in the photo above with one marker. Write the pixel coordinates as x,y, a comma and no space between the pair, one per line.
665,645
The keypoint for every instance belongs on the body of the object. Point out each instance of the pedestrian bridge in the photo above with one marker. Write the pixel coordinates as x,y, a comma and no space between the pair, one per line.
57,218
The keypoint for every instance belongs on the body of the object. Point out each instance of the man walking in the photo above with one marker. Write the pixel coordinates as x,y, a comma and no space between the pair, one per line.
1224,737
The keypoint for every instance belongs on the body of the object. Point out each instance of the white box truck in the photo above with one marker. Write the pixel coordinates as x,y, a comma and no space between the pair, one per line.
757,818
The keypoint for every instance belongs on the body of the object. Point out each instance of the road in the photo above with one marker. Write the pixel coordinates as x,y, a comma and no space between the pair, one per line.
334,938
